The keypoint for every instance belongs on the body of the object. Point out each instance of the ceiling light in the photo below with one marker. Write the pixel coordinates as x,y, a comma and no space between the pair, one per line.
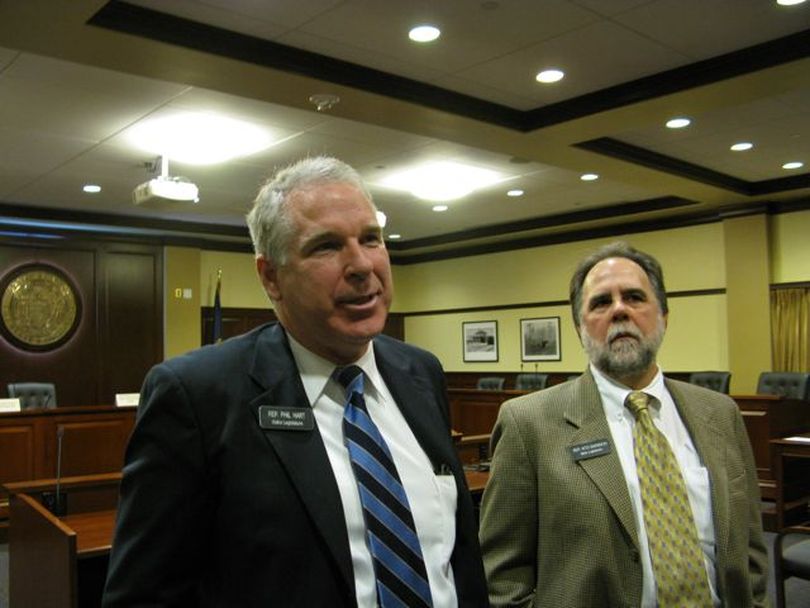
91,188
789,2
394,237
442,180
440,208
382,220
515,193
678,123
549,76
796,164
424,33
589,177
324,101
742,146
199,138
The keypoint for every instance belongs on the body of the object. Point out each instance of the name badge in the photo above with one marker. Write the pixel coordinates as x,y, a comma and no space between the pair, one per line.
277,418
592,449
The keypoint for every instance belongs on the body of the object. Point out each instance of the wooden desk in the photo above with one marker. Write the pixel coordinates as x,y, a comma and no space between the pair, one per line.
791,468
474,411
770,417
94,439
61,562
476,481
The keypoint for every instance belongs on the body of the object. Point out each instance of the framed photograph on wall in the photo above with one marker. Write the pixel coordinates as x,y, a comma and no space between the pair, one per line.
480,340
540,339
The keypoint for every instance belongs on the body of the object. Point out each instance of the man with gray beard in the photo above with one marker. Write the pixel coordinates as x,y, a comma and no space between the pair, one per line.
622,487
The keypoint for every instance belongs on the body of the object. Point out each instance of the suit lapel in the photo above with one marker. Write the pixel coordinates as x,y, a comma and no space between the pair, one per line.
586,414
302,453
710,445
416,397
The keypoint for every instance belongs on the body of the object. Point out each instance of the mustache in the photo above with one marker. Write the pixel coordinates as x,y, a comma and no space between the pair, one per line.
623,330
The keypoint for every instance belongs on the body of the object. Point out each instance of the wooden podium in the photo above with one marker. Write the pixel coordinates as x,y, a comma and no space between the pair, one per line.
61,562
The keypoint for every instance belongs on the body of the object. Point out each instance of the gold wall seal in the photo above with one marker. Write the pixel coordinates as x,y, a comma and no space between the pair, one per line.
39,307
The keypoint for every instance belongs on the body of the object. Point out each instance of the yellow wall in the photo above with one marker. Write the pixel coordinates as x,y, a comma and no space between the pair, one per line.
790,247
240,284
541,274
748,300
694,259
181,314
697,336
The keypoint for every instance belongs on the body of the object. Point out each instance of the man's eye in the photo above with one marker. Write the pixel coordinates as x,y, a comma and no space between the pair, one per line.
372,239
325,246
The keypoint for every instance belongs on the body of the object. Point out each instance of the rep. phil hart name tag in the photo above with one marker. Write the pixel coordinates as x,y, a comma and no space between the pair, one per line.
272,417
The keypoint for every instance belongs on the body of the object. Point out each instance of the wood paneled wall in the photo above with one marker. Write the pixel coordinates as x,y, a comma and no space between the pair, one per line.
120,333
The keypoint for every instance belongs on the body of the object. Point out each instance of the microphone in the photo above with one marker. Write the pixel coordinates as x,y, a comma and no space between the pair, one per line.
57,504
60,432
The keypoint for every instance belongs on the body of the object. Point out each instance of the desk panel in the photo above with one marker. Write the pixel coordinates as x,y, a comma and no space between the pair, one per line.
94,441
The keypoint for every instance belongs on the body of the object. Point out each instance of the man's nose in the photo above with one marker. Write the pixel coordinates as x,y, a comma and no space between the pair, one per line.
358,262
618,309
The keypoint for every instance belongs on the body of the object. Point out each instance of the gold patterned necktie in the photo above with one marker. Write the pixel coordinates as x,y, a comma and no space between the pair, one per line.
677,558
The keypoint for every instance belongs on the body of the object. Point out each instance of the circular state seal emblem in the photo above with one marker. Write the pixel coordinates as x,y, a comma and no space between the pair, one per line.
39,308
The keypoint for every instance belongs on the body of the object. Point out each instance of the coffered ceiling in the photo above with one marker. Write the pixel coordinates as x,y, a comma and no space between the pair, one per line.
76,77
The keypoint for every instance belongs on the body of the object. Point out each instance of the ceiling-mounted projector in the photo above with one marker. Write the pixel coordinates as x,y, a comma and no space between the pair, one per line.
162,189
165,189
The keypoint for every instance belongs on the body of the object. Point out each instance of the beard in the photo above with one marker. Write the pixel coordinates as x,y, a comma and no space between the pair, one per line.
625,351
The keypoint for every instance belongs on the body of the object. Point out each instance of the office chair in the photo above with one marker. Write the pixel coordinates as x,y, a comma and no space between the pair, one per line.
490,383
33,394
791,561
531,382
716,381
795,385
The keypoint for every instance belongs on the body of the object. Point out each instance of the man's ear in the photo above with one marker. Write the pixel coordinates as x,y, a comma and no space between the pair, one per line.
268,275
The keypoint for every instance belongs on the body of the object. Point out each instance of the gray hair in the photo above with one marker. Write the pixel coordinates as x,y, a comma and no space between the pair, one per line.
270,222
618,249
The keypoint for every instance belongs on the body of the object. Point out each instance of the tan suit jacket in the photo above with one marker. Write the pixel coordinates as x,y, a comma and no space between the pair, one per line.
558,532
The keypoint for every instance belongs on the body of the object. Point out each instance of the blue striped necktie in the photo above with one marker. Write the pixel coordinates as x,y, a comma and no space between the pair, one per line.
399,569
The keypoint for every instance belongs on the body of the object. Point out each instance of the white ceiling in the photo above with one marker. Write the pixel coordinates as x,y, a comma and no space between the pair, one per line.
70,92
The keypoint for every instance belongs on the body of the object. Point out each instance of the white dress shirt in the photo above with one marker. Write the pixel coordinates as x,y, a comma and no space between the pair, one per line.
666,418
432,497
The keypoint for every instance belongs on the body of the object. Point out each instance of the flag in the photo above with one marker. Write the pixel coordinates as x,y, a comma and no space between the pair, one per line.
218,311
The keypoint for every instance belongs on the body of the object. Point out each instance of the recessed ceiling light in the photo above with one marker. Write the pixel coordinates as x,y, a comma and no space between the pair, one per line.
91,188
550,75
199,138
516,192
394,237
589,177
742,146
440,208
796,164
678,123
789,2
382,219
442,180
424,33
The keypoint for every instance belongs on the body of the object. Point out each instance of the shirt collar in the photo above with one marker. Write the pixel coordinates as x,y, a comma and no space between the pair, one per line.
614,393
315,371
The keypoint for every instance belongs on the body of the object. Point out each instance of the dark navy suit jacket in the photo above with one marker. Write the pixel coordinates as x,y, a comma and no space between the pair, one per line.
217,511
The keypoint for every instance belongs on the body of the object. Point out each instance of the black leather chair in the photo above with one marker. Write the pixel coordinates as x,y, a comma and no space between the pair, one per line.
33,394
490,383
795,385
793,561
716,381
531,382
